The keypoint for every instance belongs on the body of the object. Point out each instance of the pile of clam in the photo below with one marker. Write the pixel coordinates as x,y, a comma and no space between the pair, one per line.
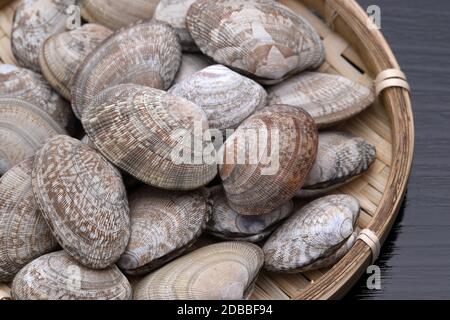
91,193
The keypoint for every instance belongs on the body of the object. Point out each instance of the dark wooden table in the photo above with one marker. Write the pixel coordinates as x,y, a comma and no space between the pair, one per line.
415,261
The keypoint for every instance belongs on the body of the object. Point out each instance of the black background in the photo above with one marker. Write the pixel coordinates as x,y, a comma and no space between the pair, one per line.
415,261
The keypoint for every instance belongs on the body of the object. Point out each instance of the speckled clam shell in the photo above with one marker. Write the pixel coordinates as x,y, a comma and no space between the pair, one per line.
57,276
23,129
225,223
83,200
146,54
161,223
262,38
34,21
226,97
267,159
141,130
25,84
62,54
329,99
118,13
313,233
221,271
174,13
24,235
341,157
190,64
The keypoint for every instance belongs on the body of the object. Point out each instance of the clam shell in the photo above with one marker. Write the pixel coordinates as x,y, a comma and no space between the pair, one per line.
266,160
262,38
25,84
56,276
118,13
62,54
162,223
139,129
329,99
174,13
146,54
83,200
313,233
190,64
23,129
341,157
225,223
226,97
24,235
34,21
220,271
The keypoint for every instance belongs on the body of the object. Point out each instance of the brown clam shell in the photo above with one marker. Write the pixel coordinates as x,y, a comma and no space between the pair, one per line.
34,21
262,38
24,235
57,276
267,159
162,223
83,200
328,98
147,54
139,130
62,54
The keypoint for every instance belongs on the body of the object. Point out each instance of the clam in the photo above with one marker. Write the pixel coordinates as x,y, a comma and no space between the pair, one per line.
57,276
341,157
27,85
220,271
156,137
62,54
24,235
266,160
23,129
225,223
328,98
261,38
83,200
162,224
34,21
118,13
146,54
311,234
226,97
174,13
190,64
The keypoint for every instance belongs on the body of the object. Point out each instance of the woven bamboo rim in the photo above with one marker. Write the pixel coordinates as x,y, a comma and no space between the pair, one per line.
359,53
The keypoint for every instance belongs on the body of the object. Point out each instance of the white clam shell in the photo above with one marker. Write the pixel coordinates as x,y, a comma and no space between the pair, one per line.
190,64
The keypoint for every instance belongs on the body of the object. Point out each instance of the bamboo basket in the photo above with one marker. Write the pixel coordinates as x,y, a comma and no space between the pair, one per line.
359,53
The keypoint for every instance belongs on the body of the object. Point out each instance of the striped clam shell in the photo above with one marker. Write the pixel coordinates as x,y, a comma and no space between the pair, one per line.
174,13
226,97
329,99
118,13
27,85
190,64
57,276
341,157
83,200
62,54
146,54
258,37
313,233
24,128
225,223
139,130
162,223
266,160
24,235
221,271
34,21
